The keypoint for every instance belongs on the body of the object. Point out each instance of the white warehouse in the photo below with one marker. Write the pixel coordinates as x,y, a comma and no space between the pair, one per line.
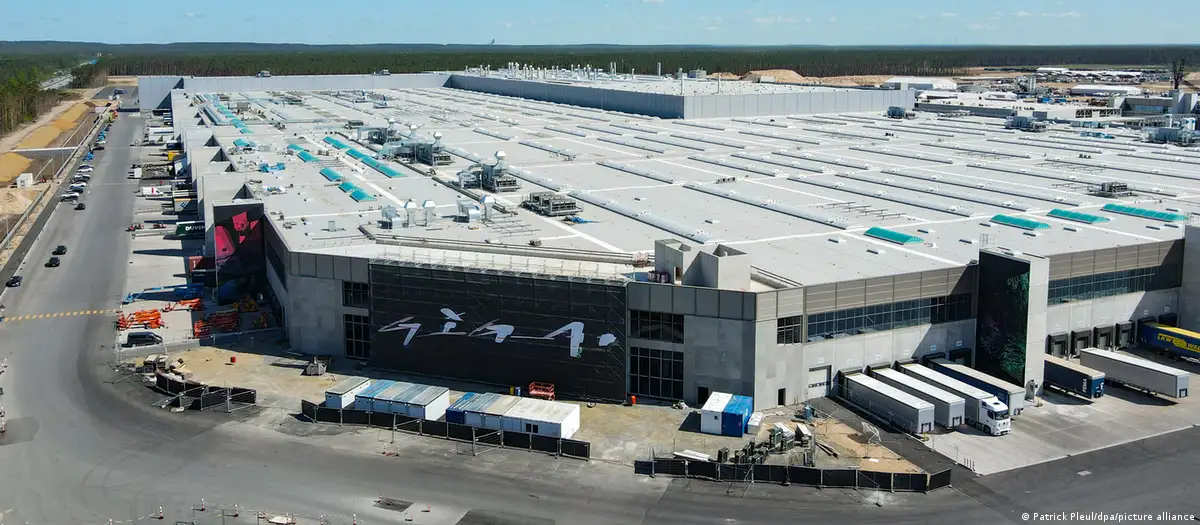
921,83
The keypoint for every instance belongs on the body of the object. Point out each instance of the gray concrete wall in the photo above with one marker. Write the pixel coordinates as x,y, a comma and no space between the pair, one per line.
1108,311
314,309
750,105
155,92
657,105
1035,342
1189,296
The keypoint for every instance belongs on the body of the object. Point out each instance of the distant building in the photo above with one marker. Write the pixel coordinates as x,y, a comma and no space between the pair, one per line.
921,83
1098,90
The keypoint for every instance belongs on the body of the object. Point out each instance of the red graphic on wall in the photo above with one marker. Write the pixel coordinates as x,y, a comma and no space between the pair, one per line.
238,243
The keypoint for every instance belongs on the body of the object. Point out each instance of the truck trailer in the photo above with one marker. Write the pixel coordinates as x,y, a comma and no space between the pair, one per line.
1073,377
1170,340
899,409
947,408
1137,373
1011,395
980,409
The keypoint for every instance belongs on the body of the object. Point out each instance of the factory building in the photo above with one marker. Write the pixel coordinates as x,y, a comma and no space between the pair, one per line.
1097,90
920,83
613,253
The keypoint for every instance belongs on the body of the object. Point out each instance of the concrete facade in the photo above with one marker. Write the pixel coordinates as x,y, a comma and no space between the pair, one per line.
1189,310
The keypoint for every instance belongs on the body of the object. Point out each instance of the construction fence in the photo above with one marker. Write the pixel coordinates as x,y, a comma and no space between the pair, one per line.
453,431
794,475
197,396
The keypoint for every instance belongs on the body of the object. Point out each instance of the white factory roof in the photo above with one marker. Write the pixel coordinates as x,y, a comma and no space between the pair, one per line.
799,194
1088,89
937,83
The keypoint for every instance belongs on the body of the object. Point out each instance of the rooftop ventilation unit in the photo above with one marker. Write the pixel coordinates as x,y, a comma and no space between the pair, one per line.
551,204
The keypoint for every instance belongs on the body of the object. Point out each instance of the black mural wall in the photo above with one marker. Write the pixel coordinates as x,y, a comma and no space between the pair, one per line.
1003,317
238,250
499,329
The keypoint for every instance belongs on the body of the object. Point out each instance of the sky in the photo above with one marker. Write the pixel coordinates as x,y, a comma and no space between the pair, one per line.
541,22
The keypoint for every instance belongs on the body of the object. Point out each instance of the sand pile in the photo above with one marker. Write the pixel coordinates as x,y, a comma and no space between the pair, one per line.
781,76
11,165
14,201
40,138
723,75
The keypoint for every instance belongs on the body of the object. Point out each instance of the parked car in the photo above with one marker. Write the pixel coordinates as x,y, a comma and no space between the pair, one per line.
98,148
81,206
85,168
53,262
14,282
60,250
142,339
69,196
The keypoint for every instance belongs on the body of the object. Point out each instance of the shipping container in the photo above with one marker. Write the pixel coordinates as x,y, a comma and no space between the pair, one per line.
1169,339
899,409
366,399
381,402
948,409
421,401
544,418
1073,377
454,412
725,414
980,408
484,410
1136,372
1008,393
342,395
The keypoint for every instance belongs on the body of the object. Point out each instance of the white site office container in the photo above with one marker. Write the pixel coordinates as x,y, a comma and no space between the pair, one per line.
710,413
544,418
382,401
366,399
489,411
948,409
342,395
421,401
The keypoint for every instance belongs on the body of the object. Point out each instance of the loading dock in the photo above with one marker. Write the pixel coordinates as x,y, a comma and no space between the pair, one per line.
818,382
1124,334
1080,339
1103,336
1056,344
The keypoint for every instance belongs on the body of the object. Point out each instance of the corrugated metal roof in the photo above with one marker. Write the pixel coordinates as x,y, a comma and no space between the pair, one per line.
420,394
501,405
459,404
533,409
376,387
347,385
391,391
475,403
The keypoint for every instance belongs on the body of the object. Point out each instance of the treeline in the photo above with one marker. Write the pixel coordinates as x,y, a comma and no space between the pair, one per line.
89,76
808,61
21,96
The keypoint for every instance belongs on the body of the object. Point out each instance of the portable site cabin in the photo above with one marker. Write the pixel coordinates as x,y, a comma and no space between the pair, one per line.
365,400
381,402
421,401
481,410
542,417
725,414
342,395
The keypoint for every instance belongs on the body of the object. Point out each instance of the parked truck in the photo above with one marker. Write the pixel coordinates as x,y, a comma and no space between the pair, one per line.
948,408
1073,377
981,409
901,410
1011,395
900,113
1170,340
1137,373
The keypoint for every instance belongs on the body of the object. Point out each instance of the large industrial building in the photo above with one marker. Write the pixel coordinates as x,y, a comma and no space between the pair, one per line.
668,238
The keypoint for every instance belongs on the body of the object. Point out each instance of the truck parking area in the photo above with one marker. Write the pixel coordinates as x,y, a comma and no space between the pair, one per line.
1060,425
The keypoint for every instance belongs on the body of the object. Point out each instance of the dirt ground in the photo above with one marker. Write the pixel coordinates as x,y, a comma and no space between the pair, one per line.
13,201
278,377
11,140
11,166
122,81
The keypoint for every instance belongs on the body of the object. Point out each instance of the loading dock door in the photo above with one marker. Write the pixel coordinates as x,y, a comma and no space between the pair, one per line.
1124,334
1080,340
1104,337
818,382
1056,345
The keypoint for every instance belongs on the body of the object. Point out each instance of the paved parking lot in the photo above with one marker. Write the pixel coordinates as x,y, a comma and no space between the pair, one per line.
1065,425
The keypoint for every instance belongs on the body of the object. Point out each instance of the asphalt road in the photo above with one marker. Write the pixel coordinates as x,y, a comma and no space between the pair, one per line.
82,451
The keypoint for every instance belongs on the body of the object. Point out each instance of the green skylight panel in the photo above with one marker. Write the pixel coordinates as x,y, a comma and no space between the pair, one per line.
1020,222
1076,216
893,236
1145,213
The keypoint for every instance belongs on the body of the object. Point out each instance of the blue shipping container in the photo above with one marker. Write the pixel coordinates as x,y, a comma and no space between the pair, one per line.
454,414
736,416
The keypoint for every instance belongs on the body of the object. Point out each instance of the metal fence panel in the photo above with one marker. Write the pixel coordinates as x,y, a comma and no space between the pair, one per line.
327,415
355,417
703,469
939,480
642,467
543,443
910,482
309,409
839,477
579,449
670,466
869,479
380,419
243,395
733,472
516,440
771,473
459,432
489,437
434,428
804,476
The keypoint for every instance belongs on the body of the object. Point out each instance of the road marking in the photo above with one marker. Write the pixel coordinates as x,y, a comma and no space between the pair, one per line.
32,317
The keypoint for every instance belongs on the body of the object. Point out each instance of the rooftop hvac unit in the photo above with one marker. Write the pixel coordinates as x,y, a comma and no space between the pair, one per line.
410,213
430,212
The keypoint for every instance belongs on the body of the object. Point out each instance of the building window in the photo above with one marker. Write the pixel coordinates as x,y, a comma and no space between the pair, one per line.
901,314
656,373
789,330
358,336
1109,284
356,295
656,326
